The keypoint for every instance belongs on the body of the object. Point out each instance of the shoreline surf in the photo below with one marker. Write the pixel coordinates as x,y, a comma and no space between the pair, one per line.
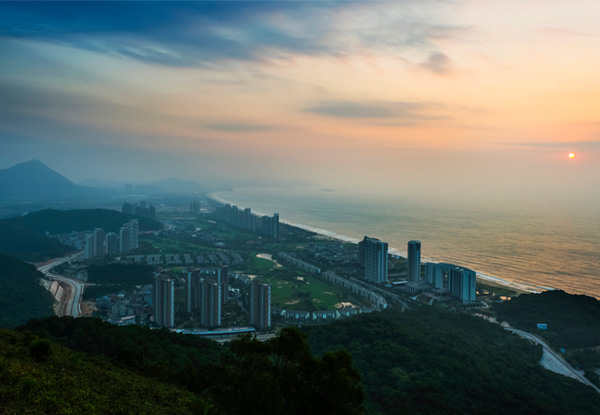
523,287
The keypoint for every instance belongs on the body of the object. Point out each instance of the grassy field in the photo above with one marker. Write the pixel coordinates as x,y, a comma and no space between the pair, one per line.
498,289
176,247
306,293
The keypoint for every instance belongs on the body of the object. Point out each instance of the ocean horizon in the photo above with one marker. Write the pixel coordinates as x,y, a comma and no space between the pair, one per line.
530,246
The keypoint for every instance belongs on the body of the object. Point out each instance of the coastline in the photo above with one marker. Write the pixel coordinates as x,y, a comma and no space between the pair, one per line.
520,287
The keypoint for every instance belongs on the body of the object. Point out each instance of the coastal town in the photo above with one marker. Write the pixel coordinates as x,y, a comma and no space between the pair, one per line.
212,267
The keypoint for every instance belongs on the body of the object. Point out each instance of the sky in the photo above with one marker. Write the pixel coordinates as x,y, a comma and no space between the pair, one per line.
460,97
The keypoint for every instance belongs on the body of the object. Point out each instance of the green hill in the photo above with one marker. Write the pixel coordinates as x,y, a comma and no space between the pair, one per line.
246,376
40,377
25,244
21,298
573,320
25,237
60,221
437,362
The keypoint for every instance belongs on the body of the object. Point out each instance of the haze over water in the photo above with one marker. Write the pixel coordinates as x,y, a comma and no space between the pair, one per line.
541,244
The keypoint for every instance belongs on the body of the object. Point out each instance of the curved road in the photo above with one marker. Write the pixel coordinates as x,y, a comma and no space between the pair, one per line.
558,358
72,303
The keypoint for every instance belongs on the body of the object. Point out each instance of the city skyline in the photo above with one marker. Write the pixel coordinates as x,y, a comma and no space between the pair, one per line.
477,97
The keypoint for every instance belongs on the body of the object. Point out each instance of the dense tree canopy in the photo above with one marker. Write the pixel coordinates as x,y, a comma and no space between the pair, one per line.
438,362
573,321
22,297
245,377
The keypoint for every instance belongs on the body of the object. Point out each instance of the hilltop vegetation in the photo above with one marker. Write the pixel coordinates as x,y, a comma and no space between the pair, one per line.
24,237
28,245
573,320
41,377
437,362
22,297
61,221
244,377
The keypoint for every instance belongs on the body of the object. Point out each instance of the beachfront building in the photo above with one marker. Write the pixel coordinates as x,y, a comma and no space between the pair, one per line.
245,219
414,261
460,282
373,254
260,305
163,301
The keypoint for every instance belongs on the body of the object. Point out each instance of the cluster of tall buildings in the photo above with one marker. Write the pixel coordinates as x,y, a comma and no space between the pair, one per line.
457,281
100,243
460,282
444,279
206,293
140,209
373,255
245,219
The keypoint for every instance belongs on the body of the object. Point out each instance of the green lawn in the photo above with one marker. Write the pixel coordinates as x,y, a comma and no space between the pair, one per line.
308,294
176,247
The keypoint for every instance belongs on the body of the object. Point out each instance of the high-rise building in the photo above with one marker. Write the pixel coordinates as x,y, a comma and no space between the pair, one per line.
459,281
124,238
191,280
414,261
245,219
210,295
260,305
462,284
112,243
127,208
221,277
195,207
99,239
434,275
88,249
163,301
151,212
374,256
134,234
206,295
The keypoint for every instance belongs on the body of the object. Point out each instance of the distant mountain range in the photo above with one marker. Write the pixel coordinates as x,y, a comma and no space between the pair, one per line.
33,181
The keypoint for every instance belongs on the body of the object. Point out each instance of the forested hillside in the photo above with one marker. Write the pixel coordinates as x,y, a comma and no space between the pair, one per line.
573,321
28,245
427,361
21,297
41,377
60,221
245,376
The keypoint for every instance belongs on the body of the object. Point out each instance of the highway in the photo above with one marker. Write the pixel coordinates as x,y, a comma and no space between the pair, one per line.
70,306
558,359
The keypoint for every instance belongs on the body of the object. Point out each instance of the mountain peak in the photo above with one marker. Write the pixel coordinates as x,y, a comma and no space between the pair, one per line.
33,180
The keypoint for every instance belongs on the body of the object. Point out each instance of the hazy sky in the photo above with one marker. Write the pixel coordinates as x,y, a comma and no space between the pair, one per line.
470,96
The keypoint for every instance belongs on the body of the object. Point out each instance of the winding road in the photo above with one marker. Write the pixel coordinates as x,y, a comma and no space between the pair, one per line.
565,367
70,305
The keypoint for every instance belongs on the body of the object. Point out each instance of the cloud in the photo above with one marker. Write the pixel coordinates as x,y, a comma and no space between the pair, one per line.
199,34
438,63
591,145
237,127
406,111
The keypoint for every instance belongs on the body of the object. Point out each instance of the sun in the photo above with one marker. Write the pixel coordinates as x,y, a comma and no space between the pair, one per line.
571,155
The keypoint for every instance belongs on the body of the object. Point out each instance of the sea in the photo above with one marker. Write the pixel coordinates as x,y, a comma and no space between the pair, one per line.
531,245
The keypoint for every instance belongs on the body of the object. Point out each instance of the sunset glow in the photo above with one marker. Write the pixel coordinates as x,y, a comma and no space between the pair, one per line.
337,93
